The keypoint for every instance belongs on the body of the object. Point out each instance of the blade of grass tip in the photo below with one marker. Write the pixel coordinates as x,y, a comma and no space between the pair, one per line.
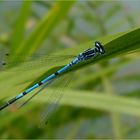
18,31
43,29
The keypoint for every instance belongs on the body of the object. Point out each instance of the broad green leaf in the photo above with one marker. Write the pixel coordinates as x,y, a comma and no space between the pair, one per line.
115,46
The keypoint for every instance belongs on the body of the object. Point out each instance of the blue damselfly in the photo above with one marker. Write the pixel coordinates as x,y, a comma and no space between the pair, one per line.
86,55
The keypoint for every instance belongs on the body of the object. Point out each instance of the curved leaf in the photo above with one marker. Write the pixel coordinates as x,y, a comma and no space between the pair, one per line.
114,46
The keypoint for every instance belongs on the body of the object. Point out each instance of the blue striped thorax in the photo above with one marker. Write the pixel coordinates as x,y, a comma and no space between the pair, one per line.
89,53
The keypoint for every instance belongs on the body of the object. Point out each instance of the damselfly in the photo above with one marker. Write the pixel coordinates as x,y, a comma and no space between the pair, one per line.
86,55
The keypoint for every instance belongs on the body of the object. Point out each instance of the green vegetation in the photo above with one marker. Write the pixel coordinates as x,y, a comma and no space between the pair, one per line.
102,99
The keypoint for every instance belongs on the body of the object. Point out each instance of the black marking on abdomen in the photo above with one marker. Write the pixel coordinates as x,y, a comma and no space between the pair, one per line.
40,83
56,73
24,93
3,106
71,64
12,100
8,103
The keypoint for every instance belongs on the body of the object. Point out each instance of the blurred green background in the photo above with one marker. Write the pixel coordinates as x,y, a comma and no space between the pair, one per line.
101,100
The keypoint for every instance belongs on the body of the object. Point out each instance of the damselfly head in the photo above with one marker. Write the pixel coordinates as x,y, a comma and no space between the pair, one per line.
99,48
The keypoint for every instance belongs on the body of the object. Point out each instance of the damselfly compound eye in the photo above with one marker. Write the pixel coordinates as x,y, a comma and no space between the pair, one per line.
99,47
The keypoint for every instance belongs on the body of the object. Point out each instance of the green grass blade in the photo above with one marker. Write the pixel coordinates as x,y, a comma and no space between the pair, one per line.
96,100
114,46
115,117
43,29
19,29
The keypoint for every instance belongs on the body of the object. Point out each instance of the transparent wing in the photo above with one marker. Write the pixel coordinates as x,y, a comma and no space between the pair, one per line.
36,93
54,99
33,62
